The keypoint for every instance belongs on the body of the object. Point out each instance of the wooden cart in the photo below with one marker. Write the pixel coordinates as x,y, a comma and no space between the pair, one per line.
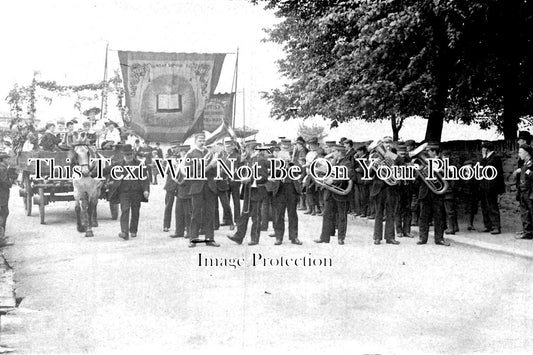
41,192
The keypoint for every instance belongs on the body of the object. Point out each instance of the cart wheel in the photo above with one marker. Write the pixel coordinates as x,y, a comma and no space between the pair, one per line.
41,204
26,183
114,211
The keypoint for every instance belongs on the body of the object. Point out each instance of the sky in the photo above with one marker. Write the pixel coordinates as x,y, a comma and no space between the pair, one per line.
65,41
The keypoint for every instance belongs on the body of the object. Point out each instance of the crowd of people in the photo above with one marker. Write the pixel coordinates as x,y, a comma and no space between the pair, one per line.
399,206
394,207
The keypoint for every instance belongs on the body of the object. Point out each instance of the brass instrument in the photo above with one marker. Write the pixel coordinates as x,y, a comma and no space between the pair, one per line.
339,190
384,157
438,186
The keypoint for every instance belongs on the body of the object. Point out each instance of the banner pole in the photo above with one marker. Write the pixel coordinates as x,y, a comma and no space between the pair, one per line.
104,88
234,88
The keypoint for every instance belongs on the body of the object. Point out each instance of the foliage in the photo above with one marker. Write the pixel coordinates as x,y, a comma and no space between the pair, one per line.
310,131
444,60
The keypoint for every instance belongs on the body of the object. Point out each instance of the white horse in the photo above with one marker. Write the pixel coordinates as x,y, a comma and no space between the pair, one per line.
86,189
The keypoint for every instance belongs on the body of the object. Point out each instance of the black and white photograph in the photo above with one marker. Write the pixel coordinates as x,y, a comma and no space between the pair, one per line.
266,176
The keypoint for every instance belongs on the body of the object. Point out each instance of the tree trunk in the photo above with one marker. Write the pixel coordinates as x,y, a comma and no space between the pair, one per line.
510,70
395,129
439,72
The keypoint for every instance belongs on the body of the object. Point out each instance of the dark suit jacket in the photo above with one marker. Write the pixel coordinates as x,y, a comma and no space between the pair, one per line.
378,184
5,184
196,186
260,192
496,186
141,184
49,141
277,183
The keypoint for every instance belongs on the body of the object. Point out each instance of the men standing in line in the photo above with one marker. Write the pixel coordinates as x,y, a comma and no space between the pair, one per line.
336,202
285,194
385,197
203,196
431,204
491,189
5,186
254,192
130,191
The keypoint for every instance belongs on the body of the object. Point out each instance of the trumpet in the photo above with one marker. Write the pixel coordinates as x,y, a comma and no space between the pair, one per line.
438,186
321,169
384,158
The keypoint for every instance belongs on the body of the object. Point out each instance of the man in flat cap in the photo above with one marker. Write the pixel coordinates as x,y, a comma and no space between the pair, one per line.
285,195
334,201
431,204
385,198
298,158
253,194
129,192
491,189
403,205
203,197
233,152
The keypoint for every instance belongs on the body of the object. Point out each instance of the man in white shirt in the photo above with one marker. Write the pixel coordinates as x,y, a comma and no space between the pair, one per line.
112,136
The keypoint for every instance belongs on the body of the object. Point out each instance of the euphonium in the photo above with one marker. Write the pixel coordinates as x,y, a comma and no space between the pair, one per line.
438,186
320,171
384,157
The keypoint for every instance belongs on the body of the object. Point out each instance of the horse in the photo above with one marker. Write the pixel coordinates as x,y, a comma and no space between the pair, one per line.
86,189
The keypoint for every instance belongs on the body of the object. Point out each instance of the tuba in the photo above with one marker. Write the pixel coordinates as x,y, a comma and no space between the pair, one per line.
321,171
438,186
384,158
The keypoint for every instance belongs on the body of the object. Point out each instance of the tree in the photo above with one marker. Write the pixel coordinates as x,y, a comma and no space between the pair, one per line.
442,59
309,131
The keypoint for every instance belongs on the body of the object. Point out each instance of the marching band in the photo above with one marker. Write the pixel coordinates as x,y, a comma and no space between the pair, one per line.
364,192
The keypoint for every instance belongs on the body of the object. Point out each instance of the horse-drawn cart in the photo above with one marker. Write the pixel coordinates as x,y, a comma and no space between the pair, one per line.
44,190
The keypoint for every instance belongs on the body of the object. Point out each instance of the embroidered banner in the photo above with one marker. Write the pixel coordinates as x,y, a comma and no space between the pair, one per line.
167,93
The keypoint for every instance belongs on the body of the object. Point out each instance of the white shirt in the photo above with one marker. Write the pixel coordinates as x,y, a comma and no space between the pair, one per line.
113,136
